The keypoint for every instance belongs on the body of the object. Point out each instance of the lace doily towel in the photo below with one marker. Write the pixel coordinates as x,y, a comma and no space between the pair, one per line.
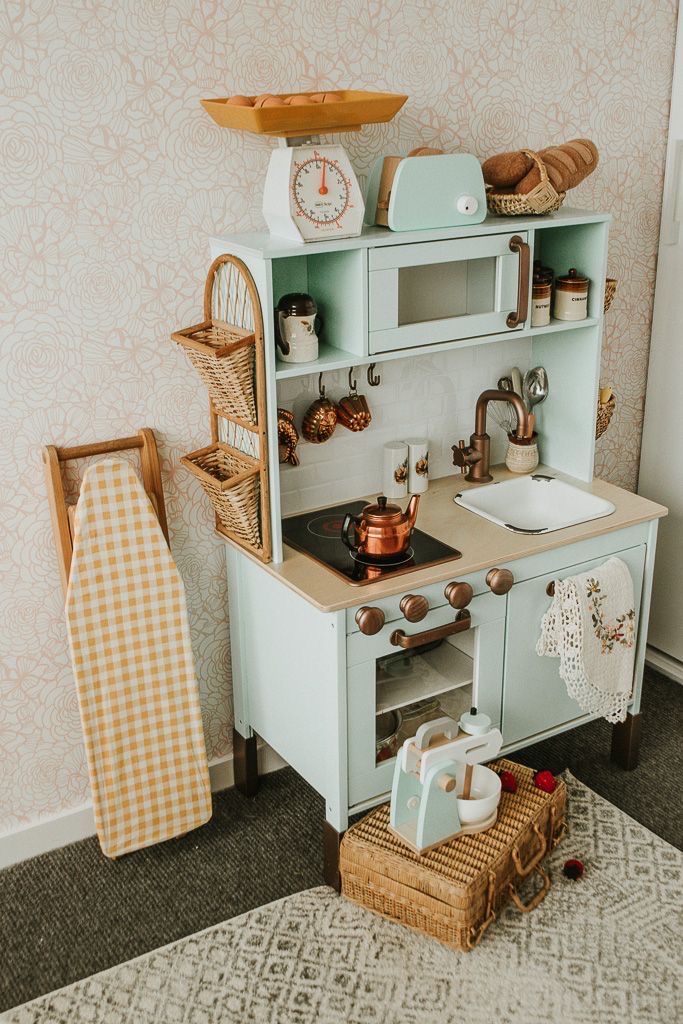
590,626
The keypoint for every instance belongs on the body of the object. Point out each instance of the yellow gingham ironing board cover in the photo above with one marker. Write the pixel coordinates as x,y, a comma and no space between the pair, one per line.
132,660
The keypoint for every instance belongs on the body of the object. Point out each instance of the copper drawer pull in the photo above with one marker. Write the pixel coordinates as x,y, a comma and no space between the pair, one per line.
400,639
518,316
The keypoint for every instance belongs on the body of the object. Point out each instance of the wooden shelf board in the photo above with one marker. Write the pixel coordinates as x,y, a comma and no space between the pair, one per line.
332,358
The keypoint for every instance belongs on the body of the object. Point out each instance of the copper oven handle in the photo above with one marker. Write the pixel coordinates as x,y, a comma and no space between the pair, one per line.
400,639
518,245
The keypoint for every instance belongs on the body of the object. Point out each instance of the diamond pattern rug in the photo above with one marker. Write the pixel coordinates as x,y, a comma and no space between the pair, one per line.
602,950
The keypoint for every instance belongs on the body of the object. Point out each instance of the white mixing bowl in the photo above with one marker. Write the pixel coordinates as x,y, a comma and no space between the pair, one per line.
484,794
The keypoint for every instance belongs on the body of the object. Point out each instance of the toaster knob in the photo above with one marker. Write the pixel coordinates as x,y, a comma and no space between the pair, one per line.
458,595
414,607
370,620
467,205
499,580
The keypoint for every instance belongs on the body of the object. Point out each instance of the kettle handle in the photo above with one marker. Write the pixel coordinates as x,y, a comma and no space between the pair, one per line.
349,519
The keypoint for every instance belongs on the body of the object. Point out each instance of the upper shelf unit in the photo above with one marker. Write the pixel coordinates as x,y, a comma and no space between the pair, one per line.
387,295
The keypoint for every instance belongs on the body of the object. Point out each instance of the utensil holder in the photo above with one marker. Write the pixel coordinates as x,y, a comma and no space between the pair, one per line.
231,481
522,454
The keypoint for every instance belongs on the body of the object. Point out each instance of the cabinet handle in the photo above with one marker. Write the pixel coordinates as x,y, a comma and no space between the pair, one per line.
400,639
518,316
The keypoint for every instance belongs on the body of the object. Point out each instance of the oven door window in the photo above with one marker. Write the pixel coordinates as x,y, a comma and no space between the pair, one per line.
417,686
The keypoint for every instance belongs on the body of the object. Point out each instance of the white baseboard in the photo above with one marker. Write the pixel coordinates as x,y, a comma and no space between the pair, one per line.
78,822
664,663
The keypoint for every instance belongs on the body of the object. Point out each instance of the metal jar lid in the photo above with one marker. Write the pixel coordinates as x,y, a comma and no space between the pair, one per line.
572,282
297,304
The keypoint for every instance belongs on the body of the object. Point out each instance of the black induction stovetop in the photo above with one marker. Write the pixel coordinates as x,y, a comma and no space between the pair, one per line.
318,535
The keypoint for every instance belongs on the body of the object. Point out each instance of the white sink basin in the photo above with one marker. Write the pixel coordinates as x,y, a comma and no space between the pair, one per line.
534,504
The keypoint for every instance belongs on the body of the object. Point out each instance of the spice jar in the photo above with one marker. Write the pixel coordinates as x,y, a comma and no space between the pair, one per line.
571,296
545,274
540,301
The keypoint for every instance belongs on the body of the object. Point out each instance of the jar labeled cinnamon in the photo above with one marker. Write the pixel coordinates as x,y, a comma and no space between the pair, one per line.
571,296
540,301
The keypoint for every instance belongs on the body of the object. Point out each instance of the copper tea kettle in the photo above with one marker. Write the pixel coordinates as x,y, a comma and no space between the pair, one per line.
382,530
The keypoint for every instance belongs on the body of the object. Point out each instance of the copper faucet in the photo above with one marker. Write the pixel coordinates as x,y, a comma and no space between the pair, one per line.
474,459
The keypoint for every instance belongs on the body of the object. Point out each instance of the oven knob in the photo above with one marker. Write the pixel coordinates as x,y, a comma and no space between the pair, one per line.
370,620
458,595
500,580
414,607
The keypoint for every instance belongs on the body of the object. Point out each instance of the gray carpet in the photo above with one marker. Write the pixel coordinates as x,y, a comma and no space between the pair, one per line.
593,952
70,913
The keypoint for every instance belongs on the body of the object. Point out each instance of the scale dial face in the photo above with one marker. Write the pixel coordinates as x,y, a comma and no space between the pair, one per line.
325,199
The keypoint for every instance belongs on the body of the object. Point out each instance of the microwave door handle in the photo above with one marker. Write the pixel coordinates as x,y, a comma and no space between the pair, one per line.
518,316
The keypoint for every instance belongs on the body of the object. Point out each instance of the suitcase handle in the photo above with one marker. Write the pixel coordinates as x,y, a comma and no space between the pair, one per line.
528,868
526,908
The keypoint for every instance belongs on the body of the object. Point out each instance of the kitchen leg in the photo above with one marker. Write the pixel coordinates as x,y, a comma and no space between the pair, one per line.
245,762
626,742
331,845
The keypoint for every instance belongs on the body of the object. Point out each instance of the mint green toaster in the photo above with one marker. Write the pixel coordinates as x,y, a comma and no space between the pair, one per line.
419,192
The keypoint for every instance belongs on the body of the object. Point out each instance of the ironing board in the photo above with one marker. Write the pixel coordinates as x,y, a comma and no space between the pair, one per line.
131,653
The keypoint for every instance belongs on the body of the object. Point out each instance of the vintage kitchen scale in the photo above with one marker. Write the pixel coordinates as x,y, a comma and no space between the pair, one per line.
311,191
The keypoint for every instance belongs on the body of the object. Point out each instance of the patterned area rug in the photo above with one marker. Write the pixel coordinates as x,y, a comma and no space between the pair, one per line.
602,950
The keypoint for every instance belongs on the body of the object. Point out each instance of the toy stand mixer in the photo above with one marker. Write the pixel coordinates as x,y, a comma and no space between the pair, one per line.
440,788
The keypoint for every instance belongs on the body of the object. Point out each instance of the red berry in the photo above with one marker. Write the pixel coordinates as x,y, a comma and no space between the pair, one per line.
573,869
507,781
546,781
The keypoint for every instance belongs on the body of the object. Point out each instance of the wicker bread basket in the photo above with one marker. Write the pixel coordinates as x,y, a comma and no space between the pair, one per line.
542,199
604,415
231,480
454,891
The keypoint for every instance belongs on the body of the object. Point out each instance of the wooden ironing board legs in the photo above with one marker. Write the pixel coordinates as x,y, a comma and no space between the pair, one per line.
626,742
245,762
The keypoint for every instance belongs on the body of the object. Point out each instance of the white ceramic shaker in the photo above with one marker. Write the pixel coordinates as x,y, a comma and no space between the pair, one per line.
418,464
395,469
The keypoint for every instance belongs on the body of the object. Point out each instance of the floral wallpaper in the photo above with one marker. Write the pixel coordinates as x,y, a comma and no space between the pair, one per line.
112,179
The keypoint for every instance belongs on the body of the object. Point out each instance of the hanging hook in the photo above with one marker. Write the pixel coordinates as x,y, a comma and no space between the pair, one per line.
353,384
373,378
321,387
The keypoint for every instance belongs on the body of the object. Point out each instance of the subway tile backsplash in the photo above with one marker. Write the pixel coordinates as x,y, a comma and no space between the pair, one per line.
433,396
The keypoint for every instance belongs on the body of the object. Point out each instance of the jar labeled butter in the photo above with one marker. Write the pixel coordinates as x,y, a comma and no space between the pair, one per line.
571,296
540,301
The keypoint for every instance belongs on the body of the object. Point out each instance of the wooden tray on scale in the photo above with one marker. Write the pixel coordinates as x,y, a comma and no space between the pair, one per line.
352,109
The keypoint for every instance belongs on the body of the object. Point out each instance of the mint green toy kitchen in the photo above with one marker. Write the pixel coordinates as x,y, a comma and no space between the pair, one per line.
311,650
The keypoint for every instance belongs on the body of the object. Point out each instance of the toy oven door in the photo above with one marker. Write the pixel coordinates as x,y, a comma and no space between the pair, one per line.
393,691
436,292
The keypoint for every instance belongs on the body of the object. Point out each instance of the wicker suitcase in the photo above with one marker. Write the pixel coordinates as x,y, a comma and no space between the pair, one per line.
454,891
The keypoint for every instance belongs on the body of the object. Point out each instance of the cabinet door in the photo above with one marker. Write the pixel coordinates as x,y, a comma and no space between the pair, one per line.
535,699
431,292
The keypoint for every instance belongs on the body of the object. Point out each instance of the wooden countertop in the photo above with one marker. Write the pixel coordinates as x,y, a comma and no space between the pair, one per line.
482,543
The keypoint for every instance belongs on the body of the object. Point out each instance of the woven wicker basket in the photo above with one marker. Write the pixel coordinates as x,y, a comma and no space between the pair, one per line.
610,290
454,891
542,199
231,480
604,416
224,357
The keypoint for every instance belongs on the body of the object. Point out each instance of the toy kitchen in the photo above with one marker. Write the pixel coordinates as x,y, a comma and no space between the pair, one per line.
385,370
